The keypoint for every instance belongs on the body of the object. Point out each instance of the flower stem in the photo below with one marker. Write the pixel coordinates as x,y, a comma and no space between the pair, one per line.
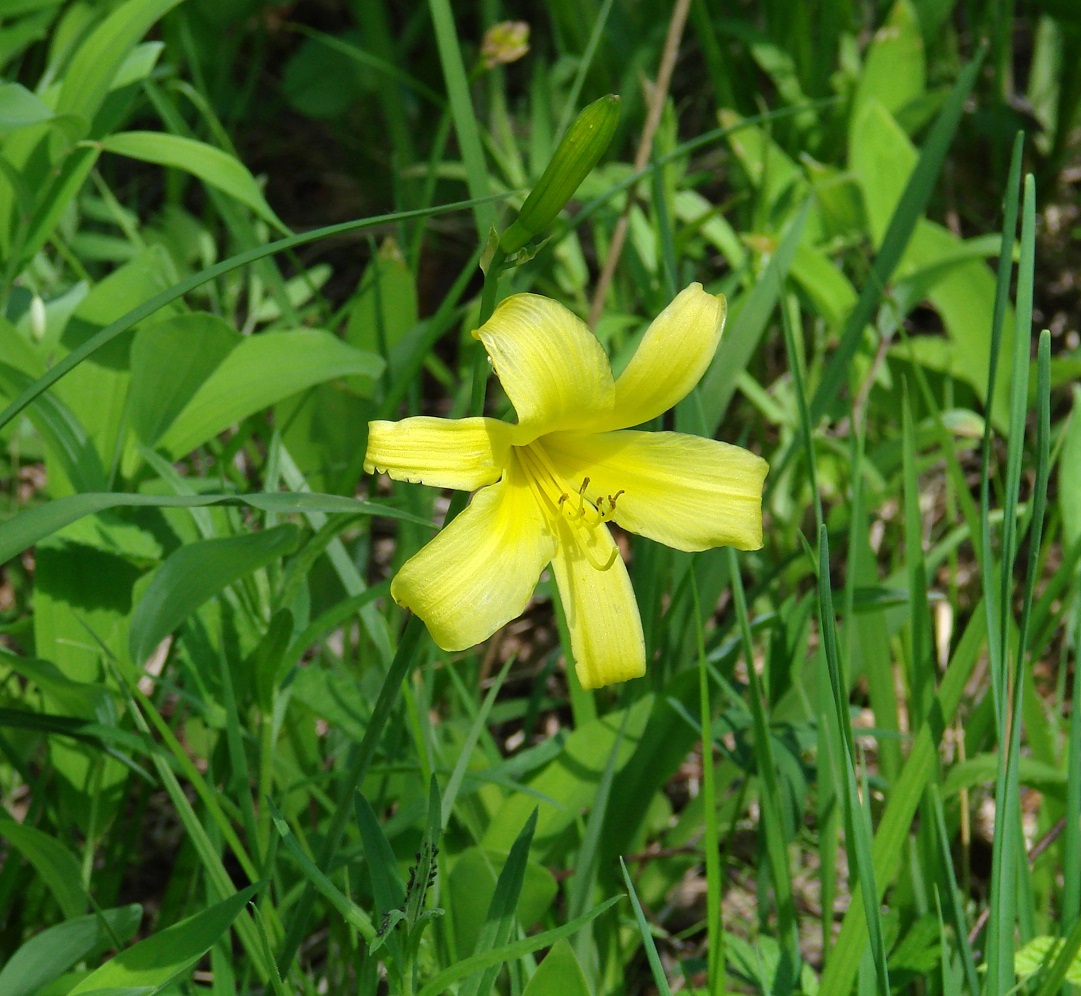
487,306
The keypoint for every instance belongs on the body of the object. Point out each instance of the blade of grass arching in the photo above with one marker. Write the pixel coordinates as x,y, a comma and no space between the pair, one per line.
955,903
654,959
909,210
769,800
499,922
711,834
1009,865
896,820
465,118
857,830
145,310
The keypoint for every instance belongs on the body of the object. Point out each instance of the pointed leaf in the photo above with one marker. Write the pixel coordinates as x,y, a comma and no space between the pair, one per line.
212,165
260,371
197,572
163,956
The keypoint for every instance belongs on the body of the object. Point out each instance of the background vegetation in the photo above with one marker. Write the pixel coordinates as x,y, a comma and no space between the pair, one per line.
214,777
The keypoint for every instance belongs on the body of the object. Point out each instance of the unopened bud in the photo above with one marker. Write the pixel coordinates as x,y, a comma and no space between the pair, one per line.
503,43
579,151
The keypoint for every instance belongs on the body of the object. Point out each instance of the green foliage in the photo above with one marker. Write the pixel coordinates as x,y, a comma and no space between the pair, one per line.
228,760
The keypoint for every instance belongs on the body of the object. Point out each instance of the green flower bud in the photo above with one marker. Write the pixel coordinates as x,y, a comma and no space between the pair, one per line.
579,151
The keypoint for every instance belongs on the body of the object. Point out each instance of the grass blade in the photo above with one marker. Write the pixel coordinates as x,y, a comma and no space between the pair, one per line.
856,826
659,978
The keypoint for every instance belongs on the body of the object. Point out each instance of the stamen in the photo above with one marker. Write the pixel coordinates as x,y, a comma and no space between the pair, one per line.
549,487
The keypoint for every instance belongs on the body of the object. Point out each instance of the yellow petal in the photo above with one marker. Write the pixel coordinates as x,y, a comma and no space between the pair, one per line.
465,454
602,614
671,358
684,491
480,571
551,366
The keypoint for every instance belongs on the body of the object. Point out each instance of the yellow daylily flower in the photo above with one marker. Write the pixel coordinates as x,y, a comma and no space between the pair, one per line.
547,486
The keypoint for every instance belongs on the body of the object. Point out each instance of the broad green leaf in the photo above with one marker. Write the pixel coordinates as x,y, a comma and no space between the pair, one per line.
210,164
170,361
19,108
980,770
894,70
46,956
69,452
165,955
746,327
909,210
1042,951
138,65
325,430
73,698
260,371
99,58
82,610
768,167
96,391
57,867
320,79
883,160
117,328
384,306
197,572
558,973
824,283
